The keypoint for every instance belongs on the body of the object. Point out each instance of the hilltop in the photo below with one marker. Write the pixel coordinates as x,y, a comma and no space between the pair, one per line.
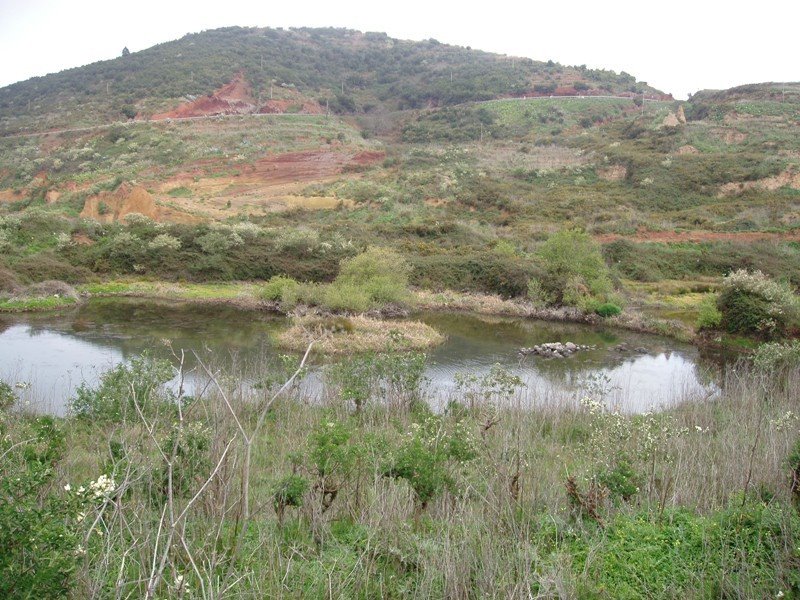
347,71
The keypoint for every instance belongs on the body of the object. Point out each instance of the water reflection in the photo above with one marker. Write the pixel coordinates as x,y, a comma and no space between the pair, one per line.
56,352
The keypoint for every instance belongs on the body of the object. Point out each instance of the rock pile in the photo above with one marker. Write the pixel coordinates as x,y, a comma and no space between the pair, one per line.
554,350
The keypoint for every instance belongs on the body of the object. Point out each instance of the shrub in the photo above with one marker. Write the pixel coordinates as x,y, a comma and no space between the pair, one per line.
289,491
7,396
8,281
573,268
356,378
537,294
777,356
218,242
114,399
346,297
46,266
164,241
752,303
709,317
279,288
375,277
39,534
608,309
428,456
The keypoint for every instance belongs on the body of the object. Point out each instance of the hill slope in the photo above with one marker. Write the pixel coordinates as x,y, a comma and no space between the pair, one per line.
346,70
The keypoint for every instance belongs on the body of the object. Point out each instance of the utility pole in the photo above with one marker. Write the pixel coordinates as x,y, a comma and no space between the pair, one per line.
108,83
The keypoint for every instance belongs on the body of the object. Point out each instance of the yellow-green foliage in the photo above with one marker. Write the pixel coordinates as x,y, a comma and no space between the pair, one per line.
574,269
374,278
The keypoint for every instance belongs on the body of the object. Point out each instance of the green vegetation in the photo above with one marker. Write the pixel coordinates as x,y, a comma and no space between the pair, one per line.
347,70
751,303
443,188
584,500
574,272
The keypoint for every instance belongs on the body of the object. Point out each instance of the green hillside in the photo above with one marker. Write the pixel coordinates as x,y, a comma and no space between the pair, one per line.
353,72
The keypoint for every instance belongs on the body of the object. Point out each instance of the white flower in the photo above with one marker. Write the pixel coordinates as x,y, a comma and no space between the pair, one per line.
67,488
103,486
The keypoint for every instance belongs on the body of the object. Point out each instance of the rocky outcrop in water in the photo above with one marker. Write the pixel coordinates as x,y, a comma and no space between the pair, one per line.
554,350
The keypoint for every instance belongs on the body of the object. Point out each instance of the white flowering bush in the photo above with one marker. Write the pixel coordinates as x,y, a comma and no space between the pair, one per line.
752,303
247,230
164,241
134,218
776,356
297,239
64,240
218,242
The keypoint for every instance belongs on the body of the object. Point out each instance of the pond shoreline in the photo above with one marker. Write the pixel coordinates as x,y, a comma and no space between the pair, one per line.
243,295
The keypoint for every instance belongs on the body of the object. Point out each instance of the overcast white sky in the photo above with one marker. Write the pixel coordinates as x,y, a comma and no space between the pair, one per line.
678,47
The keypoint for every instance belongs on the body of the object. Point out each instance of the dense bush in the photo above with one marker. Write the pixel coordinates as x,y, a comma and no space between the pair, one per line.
752,303
41,544
608,309
486,272
574,269
378,275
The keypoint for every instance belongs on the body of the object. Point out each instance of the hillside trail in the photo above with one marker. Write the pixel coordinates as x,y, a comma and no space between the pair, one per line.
697,236
167,120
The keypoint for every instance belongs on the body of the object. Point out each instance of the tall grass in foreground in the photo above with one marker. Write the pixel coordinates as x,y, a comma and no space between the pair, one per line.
253,491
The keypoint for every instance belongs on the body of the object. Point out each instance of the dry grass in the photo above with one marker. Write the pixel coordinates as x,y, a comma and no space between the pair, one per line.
351,335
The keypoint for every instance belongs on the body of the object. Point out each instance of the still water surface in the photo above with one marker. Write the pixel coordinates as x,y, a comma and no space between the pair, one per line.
51,354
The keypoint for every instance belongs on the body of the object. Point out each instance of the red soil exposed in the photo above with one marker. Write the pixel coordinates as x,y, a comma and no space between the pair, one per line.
295,167
234,98
127,199
667,237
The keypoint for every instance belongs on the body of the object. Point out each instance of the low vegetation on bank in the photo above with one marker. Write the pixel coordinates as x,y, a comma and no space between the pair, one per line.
237,485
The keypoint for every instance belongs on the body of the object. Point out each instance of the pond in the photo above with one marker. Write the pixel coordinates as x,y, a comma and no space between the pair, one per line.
48,355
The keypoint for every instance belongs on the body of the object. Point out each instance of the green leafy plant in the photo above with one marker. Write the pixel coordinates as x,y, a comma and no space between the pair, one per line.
122,388
288,492
752,303
608,309
381,274
709,316
428,457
